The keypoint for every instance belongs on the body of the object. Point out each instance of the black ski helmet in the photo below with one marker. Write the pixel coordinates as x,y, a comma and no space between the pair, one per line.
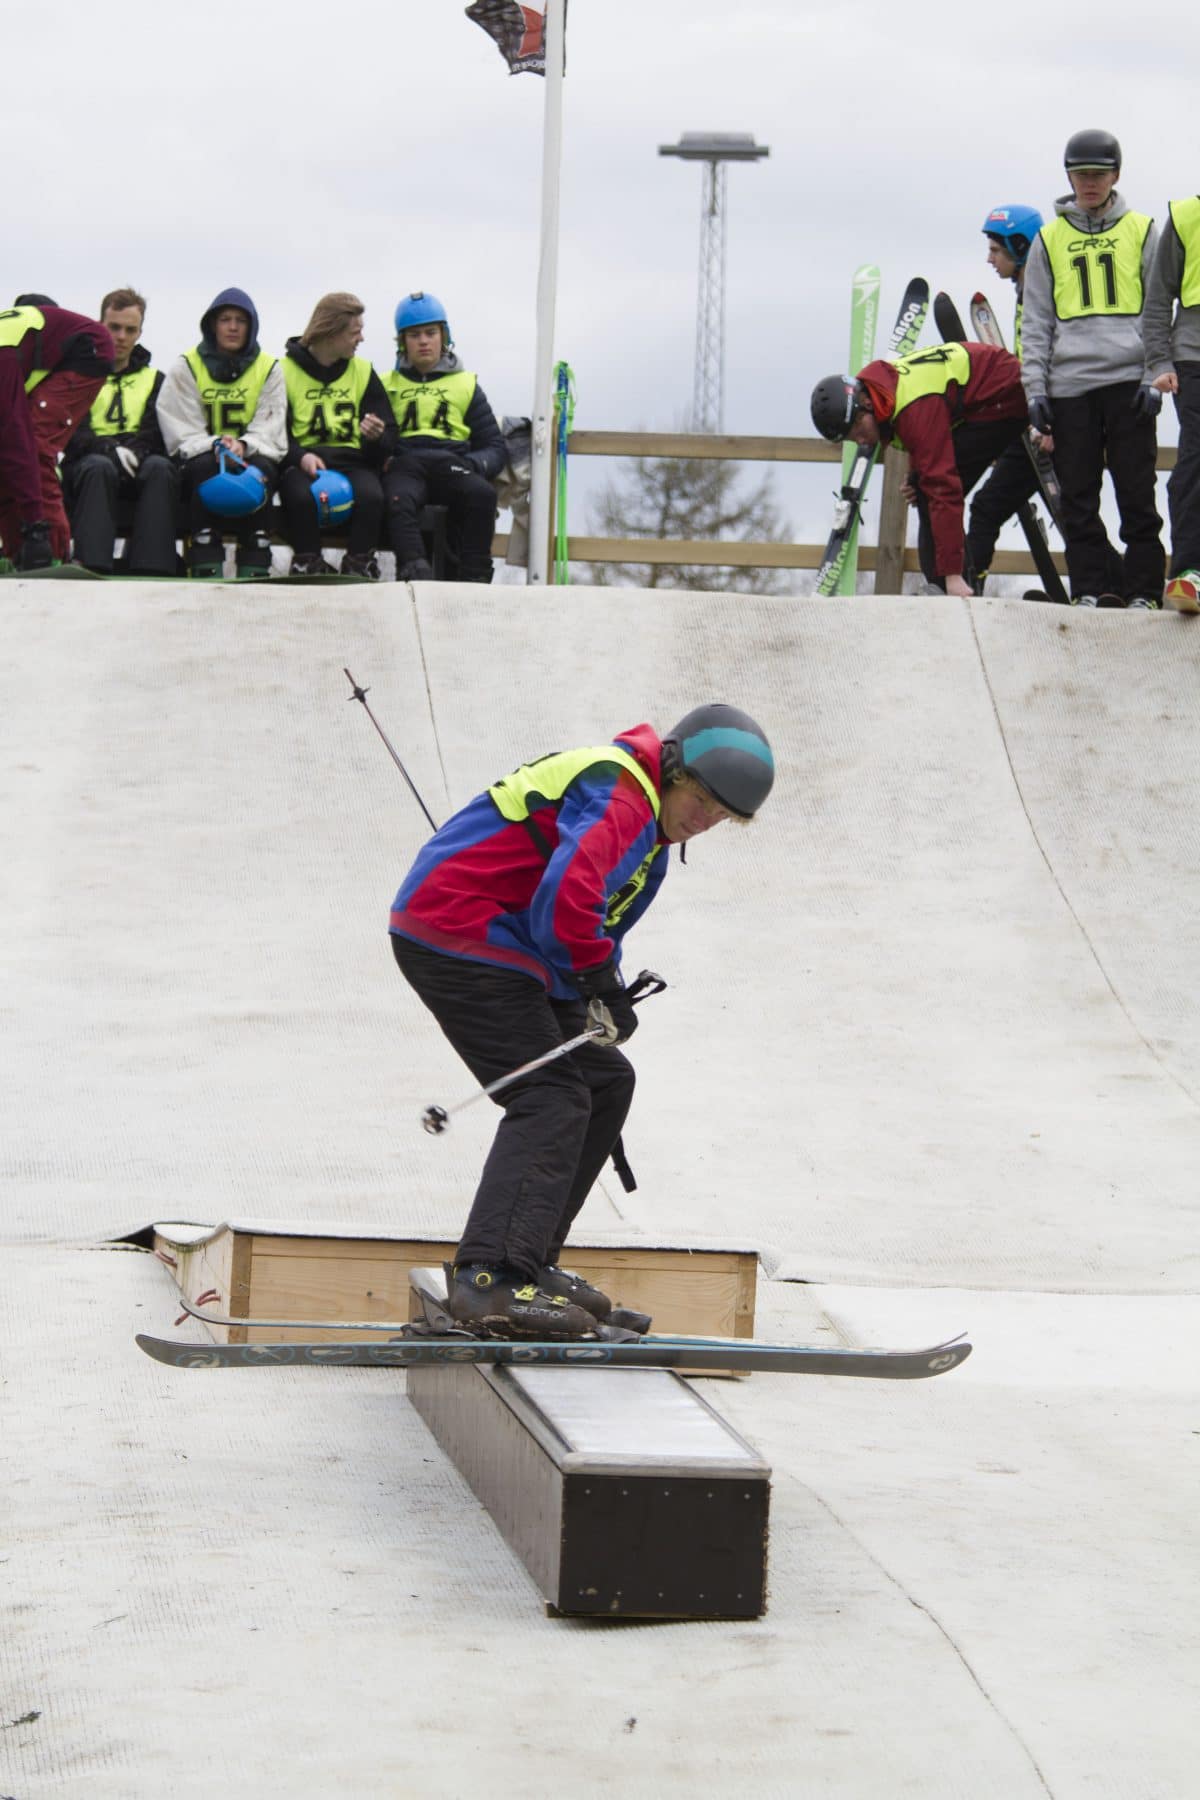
1092,149
834,404
34,300
726,752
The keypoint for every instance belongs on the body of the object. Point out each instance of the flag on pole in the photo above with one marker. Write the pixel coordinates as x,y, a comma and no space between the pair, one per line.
519,33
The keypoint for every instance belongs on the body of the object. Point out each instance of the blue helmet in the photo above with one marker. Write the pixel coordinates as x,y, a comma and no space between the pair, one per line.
421,309
1016,227
723,749
236,490
334,498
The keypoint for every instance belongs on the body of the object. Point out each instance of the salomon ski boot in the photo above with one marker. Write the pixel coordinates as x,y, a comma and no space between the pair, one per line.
554,1280
502,1303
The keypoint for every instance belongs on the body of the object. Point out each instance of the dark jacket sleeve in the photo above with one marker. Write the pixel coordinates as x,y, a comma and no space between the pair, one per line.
488,452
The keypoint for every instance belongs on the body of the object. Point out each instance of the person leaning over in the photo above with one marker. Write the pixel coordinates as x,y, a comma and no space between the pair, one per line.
954,409
1172,343
52,365
227,393
338,417
1083,363
509,927
450,447
117,456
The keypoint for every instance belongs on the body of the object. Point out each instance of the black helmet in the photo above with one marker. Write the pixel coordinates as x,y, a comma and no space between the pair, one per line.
835,402
34,300
726,752
1092,150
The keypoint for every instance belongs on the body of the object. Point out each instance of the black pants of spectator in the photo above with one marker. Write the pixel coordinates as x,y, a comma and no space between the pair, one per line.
1183,483
197,470
419,478
100,496
977,445
560,1123
301,524
1091,432
1012,482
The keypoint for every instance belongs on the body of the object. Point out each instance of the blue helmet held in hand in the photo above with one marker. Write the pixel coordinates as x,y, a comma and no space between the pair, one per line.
1016,227
422,309
236,490
334,498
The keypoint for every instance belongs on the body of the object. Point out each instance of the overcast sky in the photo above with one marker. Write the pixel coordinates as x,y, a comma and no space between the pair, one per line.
383,147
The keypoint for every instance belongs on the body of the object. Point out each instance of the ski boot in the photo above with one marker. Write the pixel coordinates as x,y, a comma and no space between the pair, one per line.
361,563
206,555
553,1280
417,570
34,551
502,1303
311,562
254,557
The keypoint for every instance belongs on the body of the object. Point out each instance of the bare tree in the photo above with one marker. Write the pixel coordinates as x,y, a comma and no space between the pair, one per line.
664,497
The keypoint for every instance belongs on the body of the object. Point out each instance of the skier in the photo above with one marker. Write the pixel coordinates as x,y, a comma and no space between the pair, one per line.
53,363
1173,366
1083,363
1009,231
954,409
509,926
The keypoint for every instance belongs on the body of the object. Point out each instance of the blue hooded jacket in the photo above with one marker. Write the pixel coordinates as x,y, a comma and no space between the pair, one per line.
220,365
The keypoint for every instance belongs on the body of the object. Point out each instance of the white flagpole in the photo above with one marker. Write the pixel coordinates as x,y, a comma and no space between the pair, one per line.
537,570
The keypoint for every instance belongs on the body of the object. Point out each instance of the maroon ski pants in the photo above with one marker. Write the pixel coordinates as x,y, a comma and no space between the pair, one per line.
34,429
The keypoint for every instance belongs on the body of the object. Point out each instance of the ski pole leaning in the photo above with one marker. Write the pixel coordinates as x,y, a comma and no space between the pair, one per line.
360,693
435,1119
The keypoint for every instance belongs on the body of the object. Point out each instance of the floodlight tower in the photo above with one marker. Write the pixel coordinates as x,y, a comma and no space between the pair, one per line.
714,149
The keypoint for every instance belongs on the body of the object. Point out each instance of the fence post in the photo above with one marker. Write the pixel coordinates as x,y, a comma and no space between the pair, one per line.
893,525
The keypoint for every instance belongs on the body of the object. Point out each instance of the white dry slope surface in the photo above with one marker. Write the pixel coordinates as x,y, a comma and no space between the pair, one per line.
931,1042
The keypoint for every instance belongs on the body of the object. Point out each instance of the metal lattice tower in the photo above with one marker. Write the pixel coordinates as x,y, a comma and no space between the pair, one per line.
714,149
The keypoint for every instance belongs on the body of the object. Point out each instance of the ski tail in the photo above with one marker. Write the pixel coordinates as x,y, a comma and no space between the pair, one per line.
948,320
864,320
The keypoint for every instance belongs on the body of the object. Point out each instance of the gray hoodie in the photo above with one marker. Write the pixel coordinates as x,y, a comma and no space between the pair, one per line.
1073,356
1169,341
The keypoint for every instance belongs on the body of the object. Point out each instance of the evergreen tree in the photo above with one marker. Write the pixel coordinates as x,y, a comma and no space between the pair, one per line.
663,497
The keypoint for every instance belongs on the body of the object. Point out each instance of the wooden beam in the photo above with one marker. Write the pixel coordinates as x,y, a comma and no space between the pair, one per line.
705,447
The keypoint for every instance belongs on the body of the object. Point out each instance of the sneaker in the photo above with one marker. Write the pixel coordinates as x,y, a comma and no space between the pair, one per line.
564,1282
1140,605
311,562
505,1304
35,551
362,564
1085,600
419,570
1183,591
206,556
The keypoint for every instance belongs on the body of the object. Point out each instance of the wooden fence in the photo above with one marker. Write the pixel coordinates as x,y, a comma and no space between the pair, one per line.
888,559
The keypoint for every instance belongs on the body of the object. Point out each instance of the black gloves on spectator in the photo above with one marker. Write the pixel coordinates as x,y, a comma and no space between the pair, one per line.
1041,415
1147,402
609,1004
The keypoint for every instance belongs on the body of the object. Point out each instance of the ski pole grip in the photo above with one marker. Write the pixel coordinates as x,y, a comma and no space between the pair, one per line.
647,983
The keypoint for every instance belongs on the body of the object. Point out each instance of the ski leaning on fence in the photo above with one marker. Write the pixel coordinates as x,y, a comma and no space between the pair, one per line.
864,318
907,330
949,323
723,1355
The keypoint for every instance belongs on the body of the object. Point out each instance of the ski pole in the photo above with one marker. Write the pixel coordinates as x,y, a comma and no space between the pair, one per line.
360,693
436,1118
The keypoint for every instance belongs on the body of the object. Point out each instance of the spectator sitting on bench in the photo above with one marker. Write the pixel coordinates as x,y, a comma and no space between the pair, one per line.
338,417
450,446
225,393
118,456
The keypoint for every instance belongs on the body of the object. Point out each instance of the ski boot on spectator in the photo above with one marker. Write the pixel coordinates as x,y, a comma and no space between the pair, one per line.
254,558
362,564
311,562
35,551
206,555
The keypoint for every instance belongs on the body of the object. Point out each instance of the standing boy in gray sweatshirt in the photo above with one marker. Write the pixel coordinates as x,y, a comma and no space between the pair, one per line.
1083,369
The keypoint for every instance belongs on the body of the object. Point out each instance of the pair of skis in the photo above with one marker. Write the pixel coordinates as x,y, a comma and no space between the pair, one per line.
839,564
439,1343
985,329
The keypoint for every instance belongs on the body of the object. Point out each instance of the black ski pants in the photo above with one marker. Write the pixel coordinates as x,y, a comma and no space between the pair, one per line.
1183,483
97,489
301,524
1094,431
977,444
419,478
1012,482
560,1123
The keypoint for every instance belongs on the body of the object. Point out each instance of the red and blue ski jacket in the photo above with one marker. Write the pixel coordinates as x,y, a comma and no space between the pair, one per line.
546,871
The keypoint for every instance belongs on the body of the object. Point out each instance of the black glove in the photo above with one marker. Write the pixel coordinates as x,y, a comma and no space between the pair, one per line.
1041,415
609,1004
1147,402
